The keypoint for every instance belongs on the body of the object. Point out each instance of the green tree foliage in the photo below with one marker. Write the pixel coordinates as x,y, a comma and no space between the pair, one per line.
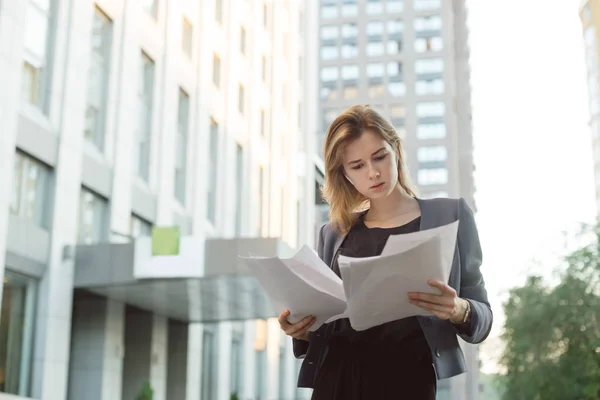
552,333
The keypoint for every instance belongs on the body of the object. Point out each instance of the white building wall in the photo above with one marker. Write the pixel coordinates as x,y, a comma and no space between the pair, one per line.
134,31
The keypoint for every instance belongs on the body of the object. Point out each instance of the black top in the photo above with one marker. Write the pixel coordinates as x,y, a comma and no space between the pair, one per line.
362,241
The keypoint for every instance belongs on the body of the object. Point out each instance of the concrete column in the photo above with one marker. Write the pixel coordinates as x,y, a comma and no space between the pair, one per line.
159,358
223,356
112,372
12,32
194,362
71,58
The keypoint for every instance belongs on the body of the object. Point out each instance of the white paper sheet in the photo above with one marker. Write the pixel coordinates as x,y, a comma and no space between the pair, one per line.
373,290
304,284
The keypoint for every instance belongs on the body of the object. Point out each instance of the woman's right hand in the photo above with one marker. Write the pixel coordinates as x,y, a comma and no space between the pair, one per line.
299,330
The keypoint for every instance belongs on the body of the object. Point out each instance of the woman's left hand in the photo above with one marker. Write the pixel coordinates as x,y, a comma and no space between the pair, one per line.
446,305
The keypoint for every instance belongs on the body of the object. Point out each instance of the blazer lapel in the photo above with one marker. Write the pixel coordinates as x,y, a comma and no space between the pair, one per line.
427,217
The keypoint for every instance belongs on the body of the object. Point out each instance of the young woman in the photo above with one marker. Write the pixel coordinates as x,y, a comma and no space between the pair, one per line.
370,196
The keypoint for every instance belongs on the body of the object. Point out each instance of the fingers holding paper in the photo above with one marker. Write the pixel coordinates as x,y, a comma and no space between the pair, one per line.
446,305
299,330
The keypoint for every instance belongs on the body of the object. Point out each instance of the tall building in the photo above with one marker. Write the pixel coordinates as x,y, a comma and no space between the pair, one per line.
117,117
409,59
590,18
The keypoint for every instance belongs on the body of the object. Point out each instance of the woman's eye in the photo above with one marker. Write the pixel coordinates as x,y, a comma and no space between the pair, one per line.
379,158
357,167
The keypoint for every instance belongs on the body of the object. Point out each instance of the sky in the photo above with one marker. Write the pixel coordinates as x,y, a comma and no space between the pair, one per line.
533,156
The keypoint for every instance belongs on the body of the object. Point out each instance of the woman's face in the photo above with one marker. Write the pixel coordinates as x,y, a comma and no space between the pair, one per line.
371,165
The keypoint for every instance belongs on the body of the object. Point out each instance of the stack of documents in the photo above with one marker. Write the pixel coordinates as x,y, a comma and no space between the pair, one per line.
372,290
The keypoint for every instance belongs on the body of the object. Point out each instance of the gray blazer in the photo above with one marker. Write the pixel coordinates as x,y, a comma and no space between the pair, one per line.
465,278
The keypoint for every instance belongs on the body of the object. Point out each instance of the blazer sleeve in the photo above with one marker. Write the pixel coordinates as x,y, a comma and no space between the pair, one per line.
472,286
301,346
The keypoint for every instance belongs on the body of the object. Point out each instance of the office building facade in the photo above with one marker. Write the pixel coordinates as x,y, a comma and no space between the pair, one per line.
120,116
408,59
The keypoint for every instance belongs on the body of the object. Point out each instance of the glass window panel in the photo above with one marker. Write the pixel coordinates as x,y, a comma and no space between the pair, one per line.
349,51
375,28
397,89
431,131
374,7
329,32
429,23
376,89
92,215
16,333
350,92
394,47
422,5
395,6
329,74
349,10
375,70
216,70
429,87
375,49
36,34
431,109
433,176
349,31
429,66
350,72
423,45
395,27
328,12
432,154
329,52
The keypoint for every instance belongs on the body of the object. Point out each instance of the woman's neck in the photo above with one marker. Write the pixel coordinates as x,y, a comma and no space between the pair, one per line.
397,203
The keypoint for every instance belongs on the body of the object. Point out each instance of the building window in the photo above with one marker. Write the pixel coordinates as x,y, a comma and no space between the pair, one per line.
349,72
16,333
375,71
398,115
139,226
329,52
262,123
424,45
95,114
432,154
260,374
213,171
219,11
422,5
264,68
376,89
350,50
429,66
216,70
241,99
145,101
432,23
429,87
375,30
329,83
187,37
243,40
395,6
151,7
30,189
374,7
239,186
350,92
329,9
330,33
431,131
431,109
36,55
433,176
349,8
375,49
93,210
209,344
181,146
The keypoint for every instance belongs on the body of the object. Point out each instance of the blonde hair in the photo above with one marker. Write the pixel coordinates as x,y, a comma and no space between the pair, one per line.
345,202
